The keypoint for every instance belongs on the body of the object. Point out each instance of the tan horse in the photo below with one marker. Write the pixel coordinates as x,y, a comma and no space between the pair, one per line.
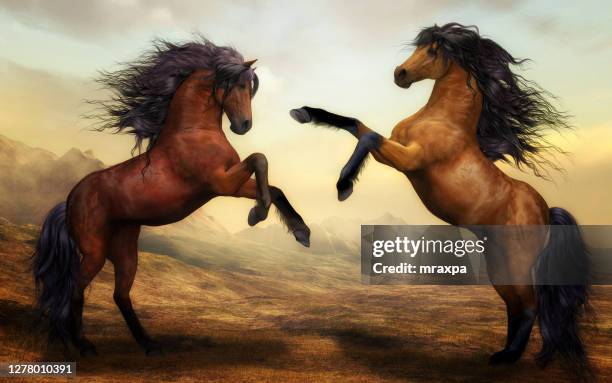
479,111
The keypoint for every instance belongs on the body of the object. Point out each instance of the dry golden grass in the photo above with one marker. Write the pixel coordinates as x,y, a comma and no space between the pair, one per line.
265,315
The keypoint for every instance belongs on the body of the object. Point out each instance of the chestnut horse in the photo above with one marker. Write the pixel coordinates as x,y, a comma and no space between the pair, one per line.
175,97
480,111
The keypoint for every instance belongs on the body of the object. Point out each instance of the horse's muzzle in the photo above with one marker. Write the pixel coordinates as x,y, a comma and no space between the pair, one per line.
402,77
241,128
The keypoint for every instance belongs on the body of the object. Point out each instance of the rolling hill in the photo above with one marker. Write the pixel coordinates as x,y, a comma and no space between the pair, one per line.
244,311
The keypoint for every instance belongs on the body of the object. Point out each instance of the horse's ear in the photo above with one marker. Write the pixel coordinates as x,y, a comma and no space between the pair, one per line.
249,63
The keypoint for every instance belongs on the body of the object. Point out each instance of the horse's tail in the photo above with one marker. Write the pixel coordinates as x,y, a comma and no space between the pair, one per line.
55,265
562,276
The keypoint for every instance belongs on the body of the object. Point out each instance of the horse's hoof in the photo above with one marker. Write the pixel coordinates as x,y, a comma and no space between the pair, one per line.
253,220
504,357
256,215
88,350
302,236
345,189
152,349
301,115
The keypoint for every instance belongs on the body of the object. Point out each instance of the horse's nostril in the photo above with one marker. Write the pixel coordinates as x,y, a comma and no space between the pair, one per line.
246,125
400,74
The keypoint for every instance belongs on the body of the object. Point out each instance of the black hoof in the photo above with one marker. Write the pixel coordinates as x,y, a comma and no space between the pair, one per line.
154,351
301,115
152,348
303,236
345,189
504,357
87,349
256,215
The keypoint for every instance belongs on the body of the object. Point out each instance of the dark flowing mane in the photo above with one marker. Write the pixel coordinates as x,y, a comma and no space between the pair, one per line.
516,112
142,89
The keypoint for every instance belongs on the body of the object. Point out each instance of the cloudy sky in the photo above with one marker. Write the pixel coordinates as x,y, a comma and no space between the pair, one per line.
335,54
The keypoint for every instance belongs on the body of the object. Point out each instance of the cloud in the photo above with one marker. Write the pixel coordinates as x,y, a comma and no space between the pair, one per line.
44,109
586,34
97,19
114,18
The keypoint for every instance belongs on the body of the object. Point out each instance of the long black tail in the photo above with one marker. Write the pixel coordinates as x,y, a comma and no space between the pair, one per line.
562,274
55,265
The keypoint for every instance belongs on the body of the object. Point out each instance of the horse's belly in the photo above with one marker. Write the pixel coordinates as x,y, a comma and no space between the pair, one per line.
458,201
162,205
447,210
158,201
172,213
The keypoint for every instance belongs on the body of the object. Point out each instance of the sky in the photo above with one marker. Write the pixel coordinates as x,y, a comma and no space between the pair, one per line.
339,55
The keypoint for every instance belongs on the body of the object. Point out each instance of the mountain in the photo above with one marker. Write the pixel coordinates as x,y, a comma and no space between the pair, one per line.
33,180
321,241
334,235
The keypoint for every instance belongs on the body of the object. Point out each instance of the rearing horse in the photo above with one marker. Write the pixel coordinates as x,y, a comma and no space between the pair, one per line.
480,111
175,97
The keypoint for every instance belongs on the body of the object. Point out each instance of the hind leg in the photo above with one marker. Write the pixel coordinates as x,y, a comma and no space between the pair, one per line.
521,312
124,255
93,247
510,264
85,346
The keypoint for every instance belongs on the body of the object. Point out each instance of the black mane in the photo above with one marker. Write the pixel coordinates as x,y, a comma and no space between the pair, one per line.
515,111
142,89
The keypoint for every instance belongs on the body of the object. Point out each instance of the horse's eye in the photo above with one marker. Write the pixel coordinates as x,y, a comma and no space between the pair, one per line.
242,86
431,52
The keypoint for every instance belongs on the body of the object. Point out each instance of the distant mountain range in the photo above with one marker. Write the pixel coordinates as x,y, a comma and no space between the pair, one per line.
33,180
331,236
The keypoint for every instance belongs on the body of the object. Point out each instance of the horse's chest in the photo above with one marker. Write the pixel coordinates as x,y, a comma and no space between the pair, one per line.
438,139
200,164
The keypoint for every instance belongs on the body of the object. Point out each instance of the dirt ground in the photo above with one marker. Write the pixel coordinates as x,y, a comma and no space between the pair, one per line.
284,317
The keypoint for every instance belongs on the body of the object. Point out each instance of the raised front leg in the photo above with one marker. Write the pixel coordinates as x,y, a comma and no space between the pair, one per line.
385,151
318,116
288,215
351,170
391,153
228,182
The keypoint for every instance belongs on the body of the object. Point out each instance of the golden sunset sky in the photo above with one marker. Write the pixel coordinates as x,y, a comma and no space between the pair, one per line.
334,54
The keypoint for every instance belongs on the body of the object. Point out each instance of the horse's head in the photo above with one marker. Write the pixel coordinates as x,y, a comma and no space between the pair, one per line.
235,86
427,62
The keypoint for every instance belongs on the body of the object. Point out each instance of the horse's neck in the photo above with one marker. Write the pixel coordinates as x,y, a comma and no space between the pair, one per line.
193,107
454,101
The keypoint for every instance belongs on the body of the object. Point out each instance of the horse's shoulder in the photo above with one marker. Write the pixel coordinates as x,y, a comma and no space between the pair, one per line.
419,128
403,128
